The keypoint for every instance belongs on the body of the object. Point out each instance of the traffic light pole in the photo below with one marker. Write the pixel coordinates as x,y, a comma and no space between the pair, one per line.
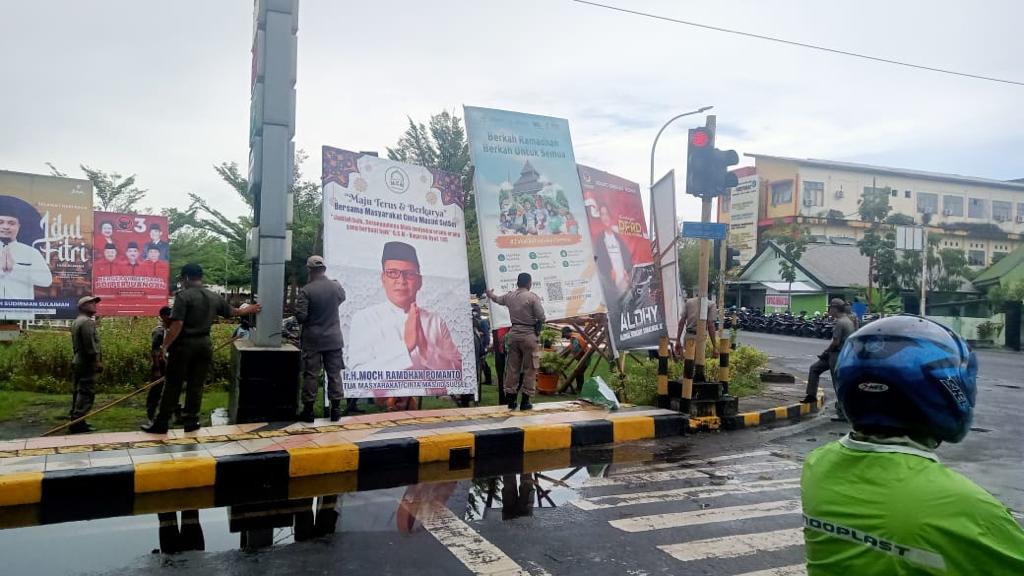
659,252
702,295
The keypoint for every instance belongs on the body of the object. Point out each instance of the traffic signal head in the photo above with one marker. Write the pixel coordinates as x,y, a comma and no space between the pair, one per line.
698,156
732,258
707,168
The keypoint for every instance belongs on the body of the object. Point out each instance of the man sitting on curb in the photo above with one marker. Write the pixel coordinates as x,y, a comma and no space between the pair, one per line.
841,330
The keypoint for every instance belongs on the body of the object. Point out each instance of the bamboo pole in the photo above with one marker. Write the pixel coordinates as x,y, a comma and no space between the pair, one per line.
121,399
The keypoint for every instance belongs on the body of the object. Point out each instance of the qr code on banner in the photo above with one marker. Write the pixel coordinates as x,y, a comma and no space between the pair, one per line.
555,291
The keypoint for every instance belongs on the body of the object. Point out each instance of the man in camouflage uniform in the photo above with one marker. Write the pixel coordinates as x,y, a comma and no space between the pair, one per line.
188,348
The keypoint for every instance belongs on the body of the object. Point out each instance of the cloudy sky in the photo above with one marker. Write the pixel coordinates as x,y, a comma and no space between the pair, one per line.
161,89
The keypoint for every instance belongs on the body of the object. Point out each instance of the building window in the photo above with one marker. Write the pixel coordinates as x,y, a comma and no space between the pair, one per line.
976,257
906,193
977,208
1020,212
1001,211
953,205
927,203
782,192
814,193
894,192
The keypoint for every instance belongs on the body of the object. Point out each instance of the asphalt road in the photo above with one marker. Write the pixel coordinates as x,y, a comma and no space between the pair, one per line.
992,454
722,503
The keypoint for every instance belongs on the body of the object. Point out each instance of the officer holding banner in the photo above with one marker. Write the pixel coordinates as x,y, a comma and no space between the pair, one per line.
527,313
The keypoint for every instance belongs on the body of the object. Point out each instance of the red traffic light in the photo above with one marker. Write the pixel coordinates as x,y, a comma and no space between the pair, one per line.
699,138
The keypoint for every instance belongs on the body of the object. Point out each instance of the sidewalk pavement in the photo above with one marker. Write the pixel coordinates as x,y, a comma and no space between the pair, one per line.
776,402
99,475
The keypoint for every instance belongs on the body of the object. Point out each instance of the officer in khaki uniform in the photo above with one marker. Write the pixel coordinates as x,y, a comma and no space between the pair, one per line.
527,313
85,342
321,340
188,349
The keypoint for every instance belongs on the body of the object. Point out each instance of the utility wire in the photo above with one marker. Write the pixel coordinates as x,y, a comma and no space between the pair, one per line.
800,44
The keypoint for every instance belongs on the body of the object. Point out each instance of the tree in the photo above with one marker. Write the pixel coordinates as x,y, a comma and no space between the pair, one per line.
306,222
873,207
222,261
792,240
112,191
954,270
442,144
688,261
898,219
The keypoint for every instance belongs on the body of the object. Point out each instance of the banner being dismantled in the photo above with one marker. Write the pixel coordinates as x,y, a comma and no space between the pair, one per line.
530,211
622,249
394,235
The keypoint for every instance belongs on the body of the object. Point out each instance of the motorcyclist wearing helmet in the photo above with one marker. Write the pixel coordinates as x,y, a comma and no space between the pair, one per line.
878,501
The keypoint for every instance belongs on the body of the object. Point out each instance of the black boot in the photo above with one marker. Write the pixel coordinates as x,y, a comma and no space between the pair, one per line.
335,410
80,428
307,412
352,407
155,428
525,404
511,400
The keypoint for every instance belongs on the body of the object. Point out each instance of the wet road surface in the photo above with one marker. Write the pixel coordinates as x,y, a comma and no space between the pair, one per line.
716,503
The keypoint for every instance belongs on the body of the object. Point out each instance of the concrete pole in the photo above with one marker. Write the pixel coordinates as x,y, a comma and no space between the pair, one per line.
272,155
924,267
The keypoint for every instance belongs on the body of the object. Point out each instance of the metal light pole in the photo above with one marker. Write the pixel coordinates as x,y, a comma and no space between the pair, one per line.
655,144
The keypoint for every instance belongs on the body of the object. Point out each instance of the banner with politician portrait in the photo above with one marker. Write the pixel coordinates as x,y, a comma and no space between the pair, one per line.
131,268
45,245
394,236
625,263
530,211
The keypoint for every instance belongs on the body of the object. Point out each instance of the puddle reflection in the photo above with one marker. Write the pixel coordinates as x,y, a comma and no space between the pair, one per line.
191,537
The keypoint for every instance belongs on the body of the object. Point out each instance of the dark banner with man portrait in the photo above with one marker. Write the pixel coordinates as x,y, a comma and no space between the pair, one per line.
625,264
394,236
131,263
45,245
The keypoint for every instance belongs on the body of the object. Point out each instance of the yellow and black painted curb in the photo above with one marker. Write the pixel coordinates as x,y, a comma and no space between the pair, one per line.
208,481
780,413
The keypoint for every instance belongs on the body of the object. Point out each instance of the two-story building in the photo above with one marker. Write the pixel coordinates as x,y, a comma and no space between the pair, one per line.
982,217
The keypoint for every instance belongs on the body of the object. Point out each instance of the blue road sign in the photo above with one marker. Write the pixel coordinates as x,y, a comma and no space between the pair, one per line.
709,230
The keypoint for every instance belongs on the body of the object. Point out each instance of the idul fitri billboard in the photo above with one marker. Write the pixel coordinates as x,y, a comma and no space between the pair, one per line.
45,245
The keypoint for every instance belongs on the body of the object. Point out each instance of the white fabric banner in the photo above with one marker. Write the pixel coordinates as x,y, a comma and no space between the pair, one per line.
394,236
663,218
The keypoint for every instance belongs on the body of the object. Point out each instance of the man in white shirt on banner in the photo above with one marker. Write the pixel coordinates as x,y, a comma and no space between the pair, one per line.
22,267
613,256
398,334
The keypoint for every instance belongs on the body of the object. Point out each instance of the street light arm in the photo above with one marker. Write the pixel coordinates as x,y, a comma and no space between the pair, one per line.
655,144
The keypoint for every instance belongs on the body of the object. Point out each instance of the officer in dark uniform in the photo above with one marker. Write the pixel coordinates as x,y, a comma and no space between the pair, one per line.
188,348
85,342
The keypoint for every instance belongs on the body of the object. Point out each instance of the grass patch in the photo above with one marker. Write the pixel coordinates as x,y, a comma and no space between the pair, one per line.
24,414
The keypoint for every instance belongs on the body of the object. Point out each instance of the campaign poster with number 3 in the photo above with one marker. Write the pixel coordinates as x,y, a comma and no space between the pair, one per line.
131,269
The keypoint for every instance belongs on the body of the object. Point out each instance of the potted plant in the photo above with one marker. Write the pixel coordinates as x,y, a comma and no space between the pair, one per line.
552,365
548,336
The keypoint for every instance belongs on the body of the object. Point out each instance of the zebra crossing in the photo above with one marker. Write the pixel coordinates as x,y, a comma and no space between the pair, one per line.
732,515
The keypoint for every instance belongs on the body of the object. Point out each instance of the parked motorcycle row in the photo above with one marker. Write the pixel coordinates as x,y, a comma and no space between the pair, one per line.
805,325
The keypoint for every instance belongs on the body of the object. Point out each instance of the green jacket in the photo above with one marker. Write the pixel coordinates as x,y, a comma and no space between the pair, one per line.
889,507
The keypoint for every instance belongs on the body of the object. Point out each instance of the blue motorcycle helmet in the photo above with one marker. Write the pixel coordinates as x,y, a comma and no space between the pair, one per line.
908,375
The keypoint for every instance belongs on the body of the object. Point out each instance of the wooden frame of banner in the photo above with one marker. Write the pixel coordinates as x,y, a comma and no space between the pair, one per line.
595,332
